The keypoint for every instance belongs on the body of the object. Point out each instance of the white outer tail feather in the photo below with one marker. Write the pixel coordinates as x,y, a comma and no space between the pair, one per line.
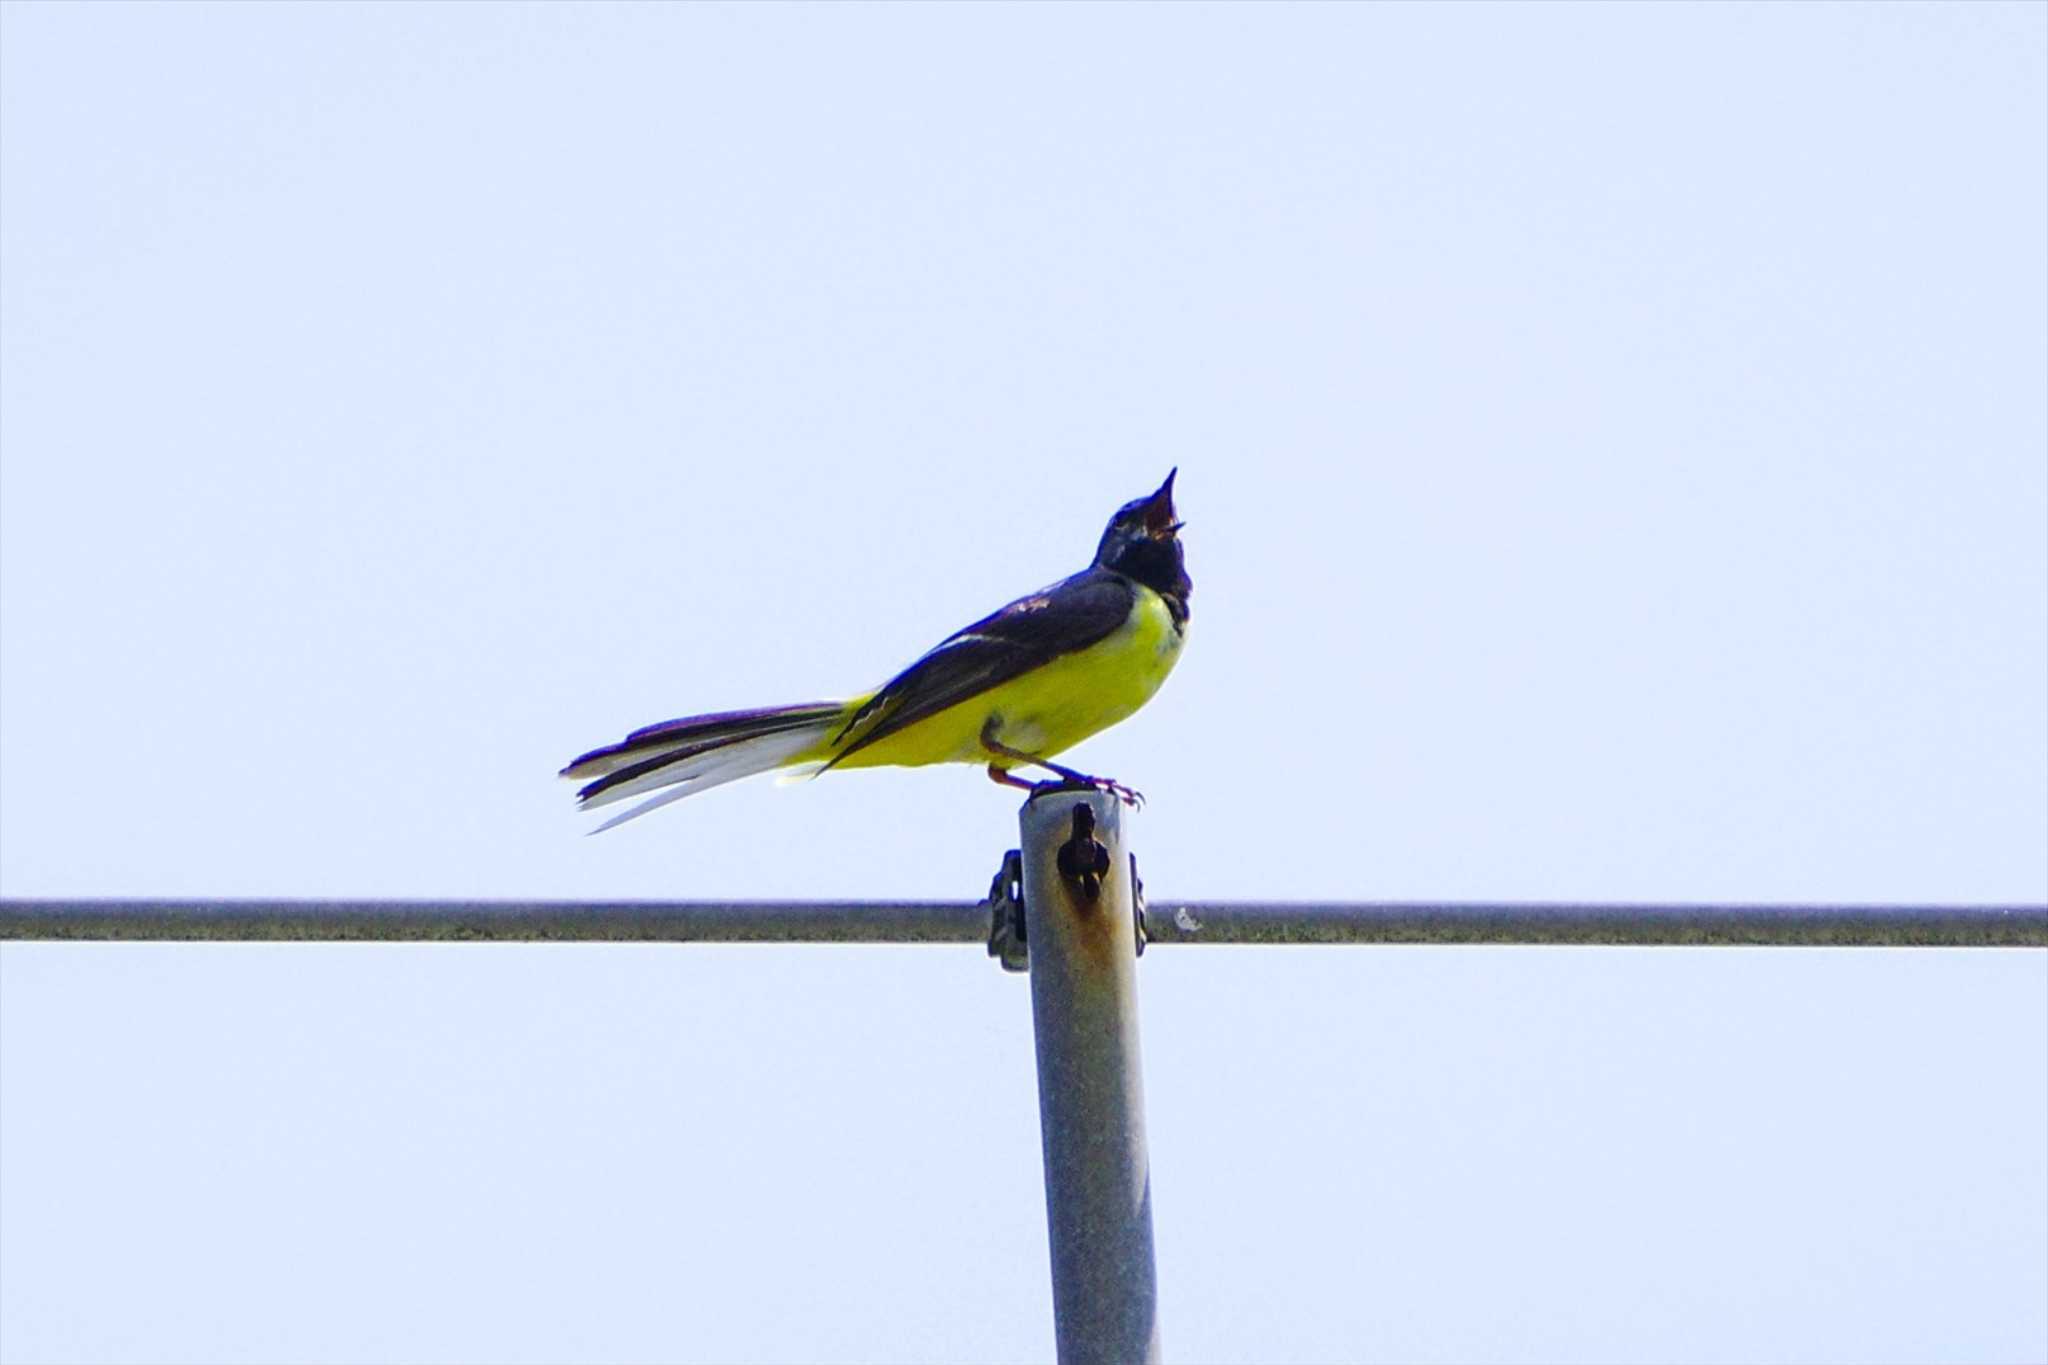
713,768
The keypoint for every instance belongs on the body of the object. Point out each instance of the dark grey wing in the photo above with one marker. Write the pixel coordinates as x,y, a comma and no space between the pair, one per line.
1070,615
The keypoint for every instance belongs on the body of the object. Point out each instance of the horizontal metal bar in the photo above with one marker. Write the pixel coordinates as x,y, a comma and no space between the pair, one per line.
1786,926
1167,921
397,921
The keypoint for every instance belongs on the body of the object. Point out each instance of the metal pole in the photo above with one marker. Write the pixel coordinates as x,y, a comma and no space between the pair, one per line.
1080,927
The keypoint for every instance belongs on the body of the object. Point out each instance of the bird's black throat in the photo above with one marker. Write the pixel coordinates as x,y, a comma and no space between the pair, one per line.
1158,564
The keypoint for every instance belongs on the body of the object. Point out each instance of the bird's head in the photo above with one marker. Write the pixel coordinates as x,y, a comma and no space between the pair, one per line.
1143,543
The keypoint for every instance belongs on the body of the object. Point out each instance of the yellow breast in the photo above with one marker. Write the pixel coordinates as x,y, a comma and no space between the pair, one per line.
1053,707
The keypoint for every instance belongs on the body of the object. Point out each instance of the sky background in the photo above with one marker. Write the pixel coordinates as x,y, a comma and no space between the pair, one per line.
1614,441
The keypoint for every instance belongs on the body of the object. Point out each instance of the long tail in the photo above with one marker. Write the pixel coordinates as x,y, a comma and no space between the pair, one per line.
697,753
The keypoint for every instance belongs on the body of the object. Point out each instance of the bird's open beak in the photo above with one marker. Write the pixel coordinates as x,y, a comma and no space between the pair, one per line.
1160,522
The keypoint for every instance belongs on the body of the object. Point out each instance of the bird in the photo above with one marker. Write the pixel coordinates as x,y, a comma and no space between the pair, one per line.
1024,683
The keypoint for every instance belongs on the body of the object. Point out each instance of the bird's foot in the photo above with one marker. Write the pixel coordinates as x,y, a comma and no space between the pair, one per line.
1072,781
1130,796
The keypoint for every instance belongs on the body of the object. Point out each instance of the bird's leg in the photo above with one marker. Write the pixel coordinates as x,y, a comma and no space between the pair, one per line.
1002,775
1128,795
1077,778
1068,776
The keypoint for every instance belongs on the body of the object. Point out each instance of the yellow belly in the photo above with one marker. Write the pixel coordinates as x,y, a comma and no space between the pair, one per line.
1050,709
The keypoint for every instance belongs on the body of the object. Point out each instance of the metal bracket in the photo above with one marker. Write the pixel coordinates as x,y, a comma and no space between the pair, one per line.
1005,905
1083,860
1138,905
1006,914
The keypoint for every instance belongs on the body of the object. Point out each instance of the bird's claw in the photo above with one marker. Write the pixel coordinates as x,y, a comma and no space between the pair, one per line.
1130,796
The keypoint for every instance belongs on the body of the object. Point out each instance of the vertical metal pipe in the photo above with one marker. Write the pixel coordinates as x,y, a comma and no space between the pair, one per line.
1081,934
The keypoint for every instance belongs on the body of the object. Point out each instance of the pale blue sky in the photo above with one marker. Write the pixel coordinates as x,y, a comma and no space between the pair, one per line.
1615,447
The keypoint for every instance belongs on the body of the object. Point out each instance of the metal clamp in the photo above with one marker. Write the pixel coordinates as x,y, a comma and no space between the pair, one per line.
1138,905
1006,914
1005,905
1083,859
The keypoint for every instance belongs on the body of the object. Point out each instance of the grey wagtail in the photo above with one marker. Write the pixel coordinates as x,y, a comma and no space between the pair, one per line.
1023,683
